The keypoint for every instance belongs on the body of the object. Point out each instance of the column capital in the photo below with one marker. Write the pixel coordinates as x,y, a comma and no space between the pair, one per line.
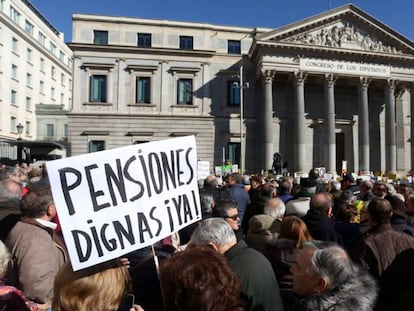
300,76
364,82
391,83
330,79
268,74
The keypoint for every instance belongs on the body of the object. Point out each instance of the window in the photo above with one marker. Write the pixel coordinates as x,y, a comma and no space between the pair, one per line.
186,43
42,87
185,92
29,55
52,93
96,145
62,97
13,128
144,40
27,128
14,15
13,97
14,45
53,72
98,88
143,87
41,38
28,27
2,5
62,78
100,37
14,71
52,48
65,130
234,151
233,93
50,130
42,64
28,103
61,56
233,47
28,79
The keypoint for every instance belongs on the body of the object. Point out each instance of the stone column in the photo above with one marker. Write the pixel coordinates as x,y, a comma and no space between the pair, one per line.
299,123
363,125
330,141
390,139
412,124
267,115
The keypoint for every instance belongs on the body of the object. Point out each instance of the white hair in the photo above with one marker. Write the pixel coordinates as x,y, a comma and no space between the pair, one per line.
275,208
213,230
4,259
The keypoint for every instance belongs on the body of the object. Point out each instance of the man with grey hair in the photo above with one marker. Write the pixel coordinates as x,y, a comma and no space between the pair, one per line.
259,284
10,193
365,191
318,219
325,278
37,252
266,227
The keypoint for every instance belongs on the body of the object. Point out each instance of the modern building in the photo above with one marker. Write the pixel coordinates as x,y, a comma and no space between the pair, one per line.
35,83
336,86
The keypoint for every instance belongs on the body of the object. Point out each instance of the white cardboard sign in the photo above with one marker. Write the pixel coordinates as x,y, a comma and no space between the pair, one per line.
112,202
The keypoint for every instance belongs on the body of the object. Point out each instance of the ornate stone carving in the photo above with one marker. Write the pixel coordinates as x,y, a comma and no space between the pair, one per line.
268,75
300,76
330,80
344,35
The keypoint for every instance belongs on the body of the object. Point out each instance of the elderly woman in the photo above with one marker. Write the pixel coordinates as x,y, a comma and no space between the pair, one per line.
11,299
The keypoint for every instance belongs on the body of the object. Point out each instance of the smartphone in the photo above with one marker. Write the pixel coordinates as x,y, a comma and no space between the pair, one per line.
130,300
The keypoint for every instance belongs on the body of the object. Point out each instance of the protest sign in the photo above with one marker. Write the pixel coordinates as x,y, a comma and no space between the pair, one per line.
112,202
203,169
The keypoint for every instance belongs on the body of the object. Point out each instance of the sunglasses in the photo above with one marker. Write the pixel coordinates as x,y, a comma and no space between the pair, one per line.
232,217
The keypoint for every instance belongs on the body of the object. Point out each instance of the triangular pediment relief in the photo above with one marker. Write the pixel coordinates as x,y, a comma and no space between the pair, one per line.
346,28
344,34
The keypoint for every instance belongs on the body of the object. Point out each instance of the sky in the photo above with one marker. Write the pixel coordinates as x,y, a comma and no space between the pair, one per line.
397,14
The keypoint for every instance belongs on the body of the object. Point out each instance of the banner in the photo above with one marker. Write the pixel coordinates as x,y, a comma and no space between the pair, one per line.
113,202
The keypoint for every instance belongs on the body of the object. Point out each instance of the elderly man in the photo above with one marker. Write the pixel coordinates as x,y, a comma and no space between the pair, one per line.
325,278
37,253
259,284
10,193
318,219
263,228
381,244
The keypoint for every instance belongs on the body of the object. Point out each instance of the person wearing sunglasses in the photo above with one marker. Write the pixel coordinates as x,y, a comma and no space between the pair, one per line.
227,209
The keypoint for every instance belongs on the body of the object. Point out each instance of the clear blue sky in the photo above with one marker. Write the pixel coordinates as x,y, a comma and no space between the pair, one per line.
397,14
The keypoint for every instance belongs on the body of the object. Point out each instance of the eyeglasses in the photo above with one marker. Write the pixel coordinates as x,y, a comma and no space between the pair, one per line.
234,217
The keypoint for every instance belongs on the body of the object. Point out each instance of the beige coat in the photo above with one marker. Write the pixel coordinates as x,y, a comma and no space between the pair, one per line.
37,254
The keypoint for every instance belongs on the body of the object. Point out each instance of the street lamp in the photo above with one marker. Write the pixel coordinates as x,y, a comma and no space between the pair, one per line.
241,86
19,128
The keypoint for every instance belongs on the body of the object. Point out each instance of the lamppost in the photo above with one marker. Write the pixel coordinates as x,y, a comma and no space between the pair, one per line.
241,86
19,143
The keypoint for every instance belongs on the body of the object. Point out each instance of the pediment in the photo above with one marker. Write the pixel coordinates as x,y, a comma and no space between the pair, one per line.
345,28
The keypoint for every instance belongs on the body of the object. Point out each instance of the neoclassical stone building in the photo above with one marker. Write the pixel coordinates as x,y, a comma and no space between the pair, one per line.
329,88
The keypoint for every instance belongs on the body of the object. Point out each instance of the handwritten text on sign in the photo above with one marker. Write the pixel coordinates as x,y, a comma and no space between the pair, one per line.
113,202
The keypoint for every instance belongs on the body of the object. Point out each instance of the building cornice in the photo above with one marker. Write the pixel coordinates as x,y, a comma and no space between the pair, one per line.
81,47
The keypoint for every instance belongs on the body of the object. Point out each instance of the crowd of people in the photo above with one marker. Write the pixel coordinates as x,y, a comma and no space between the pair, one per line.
262,244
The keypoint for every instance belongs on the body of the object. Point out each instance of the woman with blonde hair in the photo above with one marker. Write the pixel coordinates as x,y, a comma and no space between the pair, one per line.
281,253
103,287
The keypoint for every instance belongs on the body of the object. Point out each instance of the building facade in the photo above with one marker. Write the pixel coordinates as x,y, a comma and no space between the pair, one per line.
335,87
35,72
